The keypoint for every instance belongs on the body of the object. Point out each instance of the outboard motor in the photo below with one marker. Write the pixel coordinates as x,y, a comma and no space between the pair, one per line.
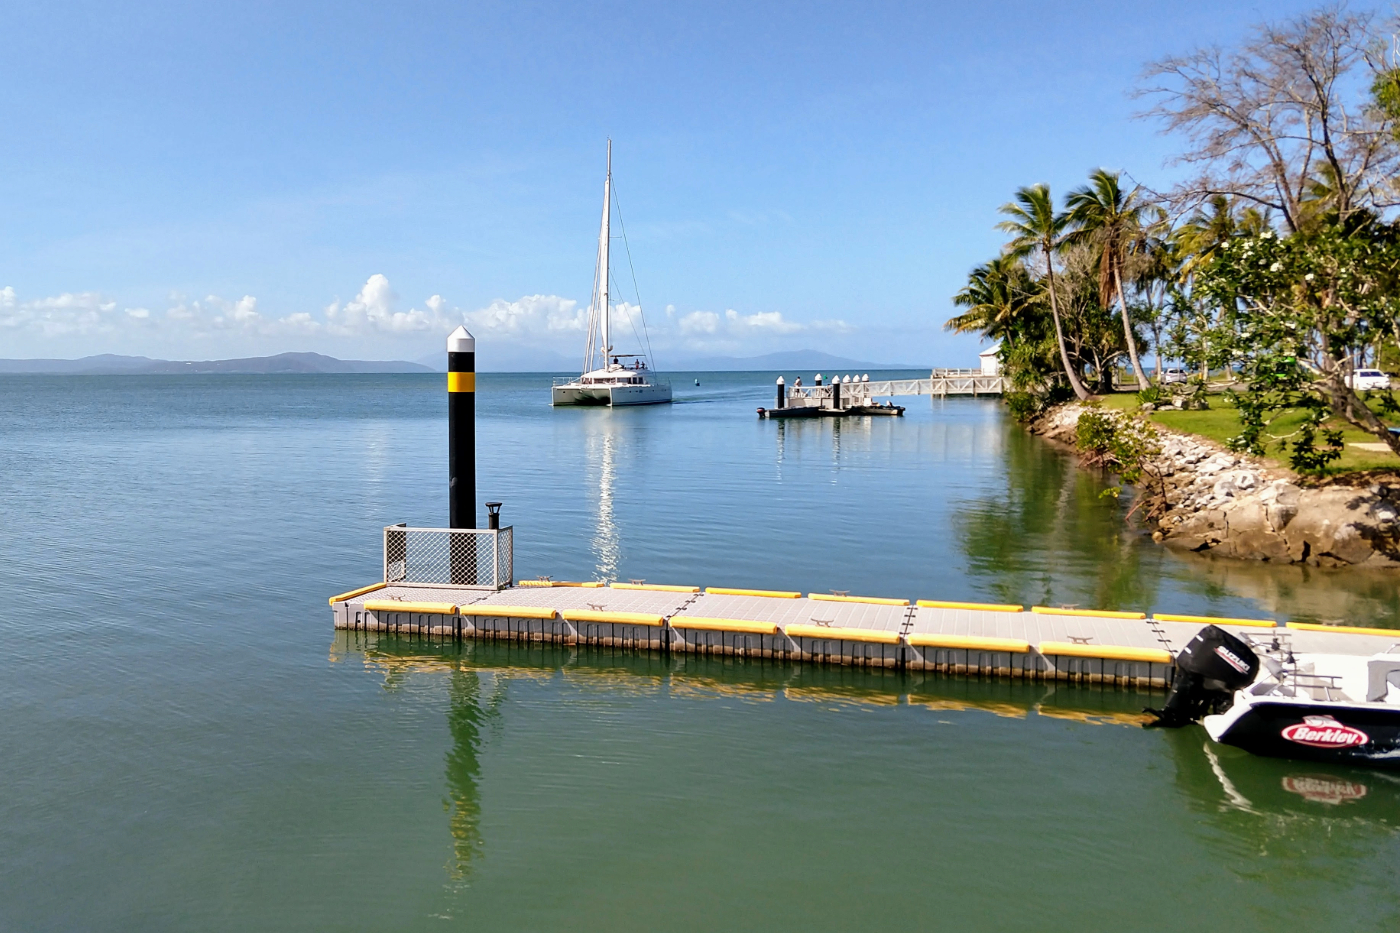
1208,672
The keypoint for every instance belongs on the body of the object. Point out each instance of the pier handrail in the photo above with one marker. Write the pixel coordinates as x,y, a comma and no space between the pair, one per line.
943,382
480,558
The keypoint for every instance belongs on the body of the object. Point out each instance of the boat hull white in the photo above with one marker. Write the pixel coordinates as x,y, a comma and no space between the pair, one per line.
1341,732
615,396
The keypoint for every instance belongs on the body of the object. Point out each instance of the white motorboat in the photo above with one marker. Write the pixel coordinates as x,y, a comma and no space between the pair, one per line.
1263,697
608,377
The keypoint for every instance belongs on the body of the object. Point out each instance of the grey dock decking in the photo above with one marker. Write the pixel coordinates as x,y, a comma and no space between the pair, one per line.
1054,645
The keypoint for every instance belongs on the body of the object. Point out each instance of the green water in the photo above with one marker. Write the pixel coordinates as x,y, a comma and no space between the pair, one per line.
188,745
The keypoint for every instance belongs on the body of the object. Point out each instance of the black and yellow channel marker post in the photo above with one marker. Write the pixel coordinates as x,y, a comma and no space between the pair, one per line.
461,451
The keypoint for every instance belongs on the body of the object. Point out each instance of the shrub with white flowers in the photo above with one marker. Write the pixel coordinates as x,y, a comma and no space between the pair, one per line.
1295,313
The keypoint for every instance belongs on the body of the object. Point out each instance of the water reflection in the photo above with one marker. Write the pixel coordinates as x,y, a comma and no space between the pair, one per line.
837,439
1349,595
1325,826
1049,538
1047,535
465,717
470,664
606,545
1265,821
471,705
1259,797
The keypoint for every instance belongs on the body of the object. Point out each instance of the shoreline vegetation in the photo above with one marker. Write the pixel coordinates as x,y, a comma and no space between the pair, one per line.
1260,287
1196,494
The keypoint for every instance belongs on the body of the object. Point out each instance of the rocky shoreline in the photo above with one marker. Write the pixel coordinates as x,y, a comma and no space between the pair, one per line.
1202,497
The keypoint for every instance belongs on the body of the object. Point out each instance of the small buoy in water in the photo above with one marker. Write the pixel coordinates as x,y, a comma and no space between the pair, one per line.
697,381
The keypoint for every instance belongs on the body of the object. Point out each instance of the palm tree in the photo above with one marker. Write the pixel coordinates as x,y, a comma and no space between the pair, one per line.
1199,239
997,297
1197,242
1103,214
1155,271
1035,227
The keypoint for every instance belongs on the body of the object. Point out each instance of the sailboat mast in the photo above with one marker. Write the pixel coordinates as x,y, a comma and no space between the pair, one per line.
603,244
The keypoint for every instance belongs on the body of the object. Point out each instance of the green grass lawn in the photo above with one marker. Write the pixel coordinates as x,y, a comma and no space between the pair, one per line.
1221,422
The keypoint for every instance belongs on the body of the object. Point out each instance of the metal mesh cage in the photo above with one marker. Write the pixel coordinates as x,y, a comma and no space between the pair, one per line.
472,557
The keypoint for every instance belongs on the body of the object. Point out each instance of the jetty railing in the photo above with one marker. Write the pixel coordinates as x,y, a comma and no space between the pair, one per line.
966,382
472,557
944,382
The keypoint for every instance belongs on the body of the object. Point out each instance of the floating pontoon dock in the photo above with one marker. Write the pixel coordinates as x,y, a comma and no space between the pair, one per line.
1040,643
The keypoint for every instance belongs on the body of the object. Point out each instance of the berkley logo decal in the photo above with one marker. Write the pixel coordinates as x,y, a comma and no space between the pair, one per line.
1232,659
1324,732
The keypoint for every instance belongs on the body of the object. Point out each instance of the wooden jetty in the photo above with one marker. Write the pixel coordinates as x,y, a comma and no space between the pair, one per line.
1126,649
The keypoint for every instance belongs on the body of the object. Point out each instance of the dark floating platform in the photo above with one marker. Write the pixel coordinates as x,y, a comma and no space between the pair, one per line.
813,411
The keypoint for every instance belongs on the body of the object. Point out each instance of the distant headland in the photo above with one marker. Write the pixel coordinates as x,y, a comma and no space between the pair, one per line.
108,364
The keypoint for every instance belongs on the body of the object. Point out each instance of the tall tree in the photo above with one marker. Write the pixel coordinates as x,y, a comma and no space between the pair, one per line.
1103,214
1037,228
998,296
1269,120
1154,272
1197,241
1200,237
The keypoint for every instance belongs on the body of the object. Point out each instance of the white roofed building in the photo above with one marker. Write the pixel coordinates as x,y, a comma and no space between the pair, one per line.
991,360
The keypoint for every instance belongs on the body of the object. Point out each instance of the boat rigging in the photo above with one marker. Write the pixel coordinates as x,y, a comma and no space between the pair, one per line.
606,379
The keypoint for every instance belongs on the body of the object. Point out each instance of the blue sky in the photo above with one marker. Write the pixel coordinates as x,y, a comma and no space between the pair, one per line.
212,180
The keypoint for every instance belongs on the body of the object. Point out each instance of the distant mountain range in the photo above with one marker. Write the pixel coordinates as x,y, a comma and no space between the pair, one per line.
110,364
508,360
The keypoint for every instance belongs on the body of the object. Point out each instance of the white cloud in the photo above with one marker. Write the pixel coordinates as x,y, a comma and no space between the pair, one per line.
63,315
731,330
372,310
700,322
75,323
771,321
531,316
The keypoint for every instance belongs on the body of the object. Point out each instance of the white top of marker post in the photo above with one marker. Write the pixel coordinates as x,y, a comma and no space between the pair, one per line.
459,341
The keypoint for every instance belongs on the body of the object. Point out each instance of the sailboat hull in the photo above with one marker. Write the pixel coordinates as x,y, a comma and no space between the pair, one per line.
615,396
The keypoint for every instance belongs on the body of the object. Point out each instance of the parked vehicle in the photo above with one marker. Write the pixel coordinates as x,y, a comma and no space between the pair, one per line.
1173,376
1364,379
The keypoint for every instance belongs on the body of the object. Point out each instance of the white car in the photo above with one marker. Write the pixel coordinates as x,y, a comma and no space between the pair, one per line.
1364,379
1171,376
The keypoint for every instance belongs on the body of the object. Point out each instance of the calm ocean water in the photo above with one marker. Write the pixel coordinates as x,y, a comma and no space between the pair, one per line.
185,743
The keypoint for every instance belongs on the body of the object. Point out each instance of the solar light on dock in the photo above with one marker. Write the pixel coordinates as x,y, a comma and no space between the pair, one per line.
782,393
461,429
493,516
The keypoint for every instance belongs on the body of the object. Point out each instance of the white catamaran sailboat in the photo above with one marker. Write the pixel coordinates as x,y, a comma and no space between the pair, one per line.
615,382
